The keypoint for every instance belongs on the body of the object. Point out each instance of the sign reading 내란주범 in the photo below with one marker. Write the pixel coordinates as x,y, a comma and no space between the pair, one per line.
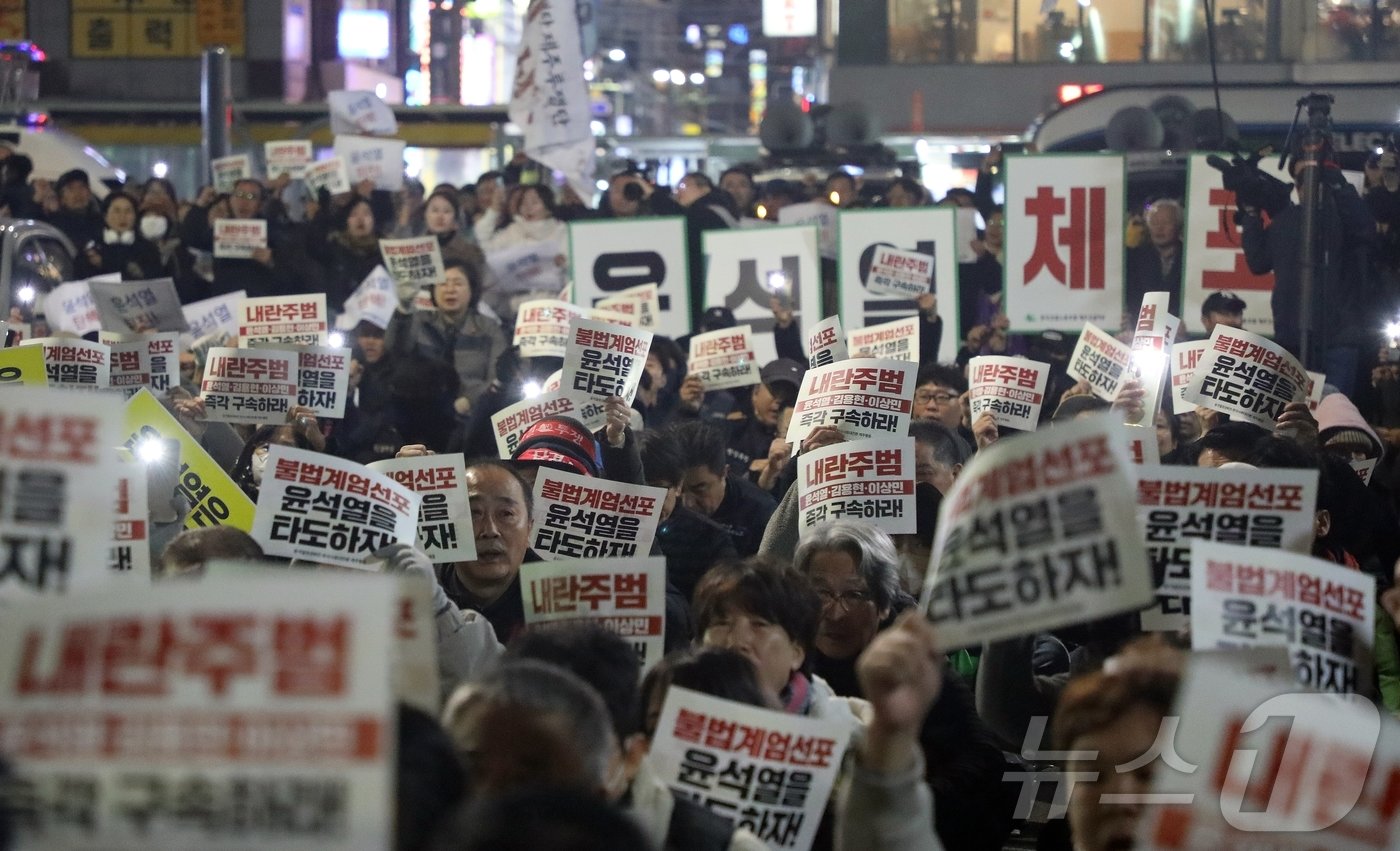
1012,390
867,480
227,171
625,596
297,319
445,514
239,239
287,156
901,273
542,327
249,385
860,397
583,517
723,359
330,174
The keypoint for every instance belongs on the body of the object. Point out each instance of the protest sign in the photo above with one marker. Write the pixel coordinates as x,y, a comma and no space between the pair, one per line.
138,306
1259,764
288,156
604,360
1364,468
23,366
624,320
227,171
897,340
509,424
825,343
239,239
70,307
745,269
328,510
373,301
1324,613
900,273
1317,382
641,303
146,360
1213,247
723,359
217,315
926,231
819,215
1012,390
1064,245
1153,334
1180,505
416,260
323,380
614,259
867,480
625,596
75,364
58,476
445,515
542,327
249,385
1101,360
1036,533
296,319
860,397
329,174
1247,377
532,266
1142,444
360,112
582,517
367,158
553,382
129,553
966,230
262,702
215,499
768,771
1186,359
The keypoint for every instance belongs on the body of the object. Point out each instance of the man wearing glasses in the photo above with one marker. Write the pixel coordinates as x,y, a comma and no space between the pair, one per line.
938,391
259,275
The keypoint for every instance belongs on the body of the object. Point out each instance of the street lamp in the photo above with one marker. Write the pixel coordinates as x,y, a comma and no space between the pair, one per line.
617,54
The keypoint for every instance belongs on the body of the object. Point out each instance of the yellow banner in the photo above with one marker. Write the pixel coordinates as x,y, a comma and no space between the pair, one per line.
215,499
23,365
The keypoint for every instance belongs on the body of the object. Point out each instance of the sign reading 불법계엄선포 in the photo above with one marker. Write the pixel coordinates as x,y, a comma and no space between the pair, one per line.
826,344
1246,377
582,517
1101,361
897,340
603,360
445,514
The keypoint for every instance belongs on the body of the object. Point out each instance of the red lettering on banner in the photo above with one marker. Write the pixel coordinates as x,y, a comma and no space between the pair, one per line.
1227,236
1083,235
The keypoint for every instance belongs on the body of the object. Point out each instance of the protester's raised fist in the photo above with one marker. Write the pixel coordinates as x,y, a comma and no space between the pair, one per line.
618,414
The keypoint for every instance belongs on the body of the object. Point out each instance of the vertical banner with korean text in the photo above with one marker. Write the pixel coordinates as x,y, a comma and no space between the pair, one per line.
626,596
1012,390
1247,377
1186,358
445,514
583,517
612,257
297,319
867,235
1153,334
723,359
860,397
867,480
746,269
1064,241
58,481
1038,532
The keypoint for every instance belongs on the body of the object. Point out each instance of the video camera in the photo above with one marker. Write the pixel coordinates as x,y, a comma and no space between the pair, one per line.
1253,187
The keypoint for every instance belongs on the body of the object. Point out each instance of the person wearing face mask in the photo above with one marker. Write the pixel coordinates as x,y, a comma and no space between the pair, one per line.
123,249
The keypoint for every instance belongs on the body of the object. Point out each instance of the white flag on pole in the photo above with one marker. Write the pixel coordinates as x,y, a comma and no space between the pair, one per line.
550,100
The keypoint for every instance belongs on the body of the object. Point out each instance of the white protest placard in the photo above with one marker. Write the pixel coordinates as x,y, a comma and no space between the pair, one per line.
415,260
602,360
897,340
147,360
642,303
625,320
287,156
710,750
1142,444
553,382
819,215
1102,360
1186,358
1064,241
860,397
613,259
266,688
1180,505
929,231
1317,382
1261,764
532,266
723,359
227,171
867,480
542,327
75,364
1247,377
445,515
249,385
373,301
1364,468
906,274
826,344
58,477
217,315
966,230
1213,247
296,319
323,380
319,508
743,268
582,517
329,174
1036,533
509,424
129,554
625,596
239,239
1153,335
367,158
1324,613
70,307
1012,390
360,112
138,306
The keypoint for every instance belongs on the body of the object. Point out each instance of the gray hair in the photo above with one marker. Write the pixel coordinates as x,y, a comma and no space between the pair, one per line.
869,546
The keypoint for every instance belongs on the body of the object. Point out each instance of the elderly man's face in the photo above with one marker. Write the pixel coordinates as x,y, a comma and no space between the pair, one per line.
1163,224
501,525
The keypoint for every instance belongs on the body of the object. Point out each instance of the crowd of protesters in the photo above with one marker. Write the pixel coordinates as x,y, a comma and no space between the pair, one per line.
555,721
